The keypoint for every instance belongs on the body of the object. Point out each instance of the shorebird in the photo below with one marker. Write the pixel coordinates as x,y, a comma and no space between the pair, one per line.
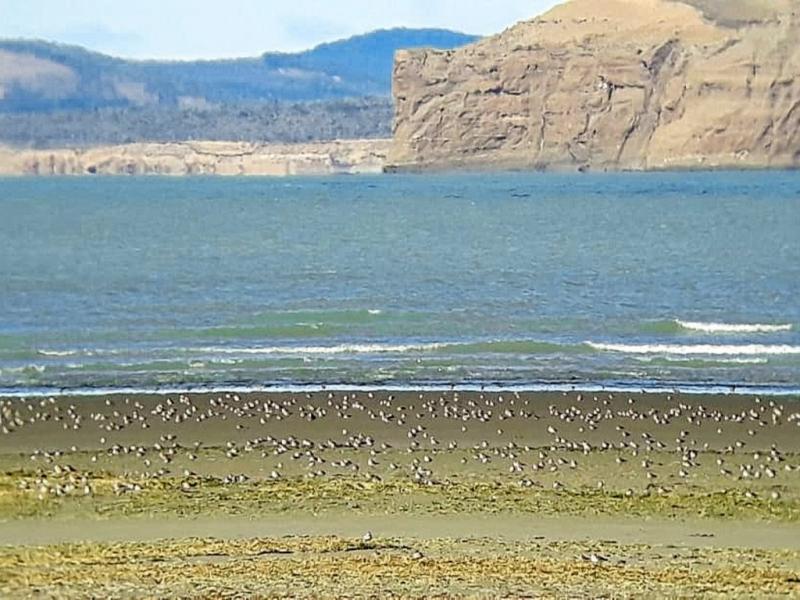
594,558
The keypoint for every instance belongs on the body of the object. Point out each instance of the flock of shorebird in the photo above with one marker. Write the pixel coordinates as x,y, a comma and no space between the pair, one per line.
539,441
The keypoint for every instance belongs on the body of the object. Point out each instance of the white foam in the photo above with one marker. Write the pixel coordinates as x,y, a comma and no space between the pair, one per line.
25,369
722,361
698,349
588,387
375,311
732,327
57,352
322,350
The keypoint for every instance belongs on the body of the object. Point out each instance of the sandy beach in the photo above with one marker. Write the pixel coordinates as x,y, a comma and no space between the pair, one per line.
410,494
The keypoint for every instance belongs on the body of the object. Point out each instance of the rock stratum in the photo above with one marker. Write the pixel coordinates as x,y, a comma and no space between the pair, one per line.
610,85
201,158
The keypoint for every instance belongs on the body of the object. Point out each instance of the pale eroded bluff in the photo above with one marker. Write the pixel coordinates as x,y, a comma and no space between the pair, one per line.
201,158
610,84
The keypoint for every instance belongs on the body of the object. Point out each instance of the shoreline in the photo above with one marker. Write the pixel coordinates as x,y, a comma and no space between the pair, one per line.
688,389
369,156
488,166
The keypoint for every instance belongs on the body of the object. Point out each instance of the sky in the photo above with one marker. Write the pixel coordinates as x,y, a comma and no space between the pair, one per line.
186,29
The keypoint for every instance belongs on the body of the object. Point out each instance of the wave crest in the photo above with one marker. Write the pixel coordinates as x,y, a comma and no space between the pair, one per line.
732,327
698,349
338,349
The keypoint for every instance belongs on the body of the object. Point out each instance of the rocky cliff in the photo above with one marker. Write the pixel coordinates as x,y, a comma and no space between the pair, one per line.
201,158
610,84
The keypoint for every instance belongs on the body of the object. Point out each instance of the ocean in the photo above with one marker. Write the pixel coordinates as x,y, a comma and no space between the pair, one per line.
527,281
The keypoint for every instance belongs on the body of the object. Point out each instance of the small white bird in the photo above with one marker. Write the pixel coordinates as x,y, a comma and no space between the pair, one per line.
367,537
593,558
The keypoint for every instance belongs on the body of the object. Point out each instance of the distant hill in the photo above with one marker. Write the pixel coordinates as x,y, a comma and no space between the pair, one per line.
367,60
40,76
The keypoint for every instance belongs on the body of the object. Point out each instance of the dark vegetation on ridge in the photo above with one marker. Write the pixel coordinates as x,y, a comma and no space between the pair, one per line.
52,94
259,122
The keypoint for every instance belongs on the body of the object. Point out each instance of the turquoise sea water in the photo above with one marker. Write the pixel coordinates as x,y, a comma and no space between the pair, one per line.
529,280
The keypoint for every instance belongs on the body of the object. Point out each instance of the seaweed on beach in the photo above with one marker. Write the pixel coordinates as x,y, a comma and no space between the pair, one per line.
337,567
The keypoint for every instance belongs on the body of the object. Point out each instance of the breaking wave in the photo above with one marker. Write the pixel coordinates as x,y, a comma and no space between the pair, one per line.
338,349
699,349
732,327
57,353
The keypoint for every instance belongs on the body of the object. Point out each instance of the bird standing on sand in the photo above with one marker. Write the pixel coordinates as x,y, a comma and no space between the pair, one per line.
593,558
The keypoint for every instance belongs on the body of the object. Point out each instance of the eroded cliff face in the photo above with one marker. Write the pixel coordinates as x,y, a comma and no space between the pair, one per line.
610,84
201,158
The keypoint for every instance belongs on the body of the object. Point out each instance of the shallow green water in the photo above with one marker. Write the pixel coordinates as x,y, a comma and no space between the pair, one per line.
518,279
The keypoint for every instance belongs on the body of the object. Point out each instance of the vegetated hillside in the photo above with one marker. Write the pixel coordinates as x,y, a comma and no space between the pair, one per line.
40,76
367,59
53,95
287,122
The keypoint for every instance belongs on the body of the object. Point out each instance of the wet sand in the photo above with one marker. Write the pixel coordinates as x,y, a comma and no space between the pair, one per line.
692,533
468,476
